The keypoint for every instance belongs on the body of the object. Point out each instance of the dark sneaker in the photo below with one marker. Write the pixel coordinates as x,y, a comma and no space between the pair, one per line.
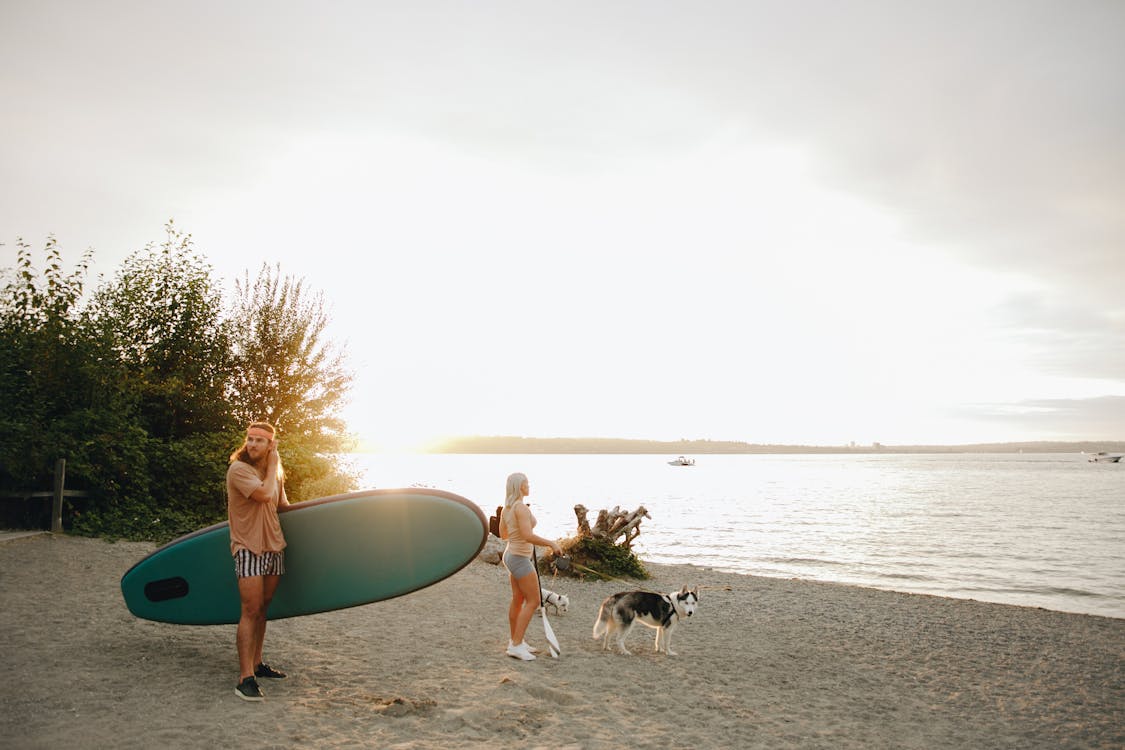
265,670
248,690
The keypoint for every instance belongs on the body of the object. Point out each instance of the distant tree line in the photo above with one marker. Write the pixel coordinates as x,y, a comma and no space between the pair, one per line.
530,445
145,386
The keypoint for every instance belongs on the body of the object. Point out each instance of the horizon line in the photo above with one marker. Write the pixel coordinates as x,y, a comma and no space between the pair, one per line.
505,444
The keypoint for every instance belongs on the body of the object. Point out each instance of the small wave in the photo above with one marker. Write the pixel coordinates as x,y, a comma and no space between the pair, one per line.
1080,593
961,554
1036,590
907,577
801,561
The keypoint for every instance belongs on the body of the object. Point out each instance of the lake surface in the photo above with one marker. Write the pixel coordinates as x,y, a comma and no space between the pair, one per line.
1044,530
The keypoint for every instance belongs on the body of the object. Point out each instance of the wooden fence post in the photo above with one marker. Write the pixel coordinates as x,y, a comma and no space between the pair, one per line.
56,507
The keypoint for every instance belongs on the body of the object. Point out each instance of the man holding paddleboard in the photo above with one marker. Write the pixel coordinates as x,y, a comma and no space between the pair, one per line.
255,490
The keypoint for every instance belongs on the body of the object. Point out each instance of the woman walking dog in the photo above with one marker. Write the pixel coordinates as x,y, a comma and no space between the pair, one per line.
516,525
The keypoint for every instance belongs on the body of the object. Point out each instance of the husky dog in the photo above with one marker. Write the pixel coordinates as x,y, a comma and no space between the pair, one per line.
660,611
559,601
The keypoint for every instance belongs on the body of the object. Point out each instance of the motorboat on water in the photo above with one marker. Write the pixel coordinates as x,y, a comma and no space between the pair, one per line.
682,461
1101,457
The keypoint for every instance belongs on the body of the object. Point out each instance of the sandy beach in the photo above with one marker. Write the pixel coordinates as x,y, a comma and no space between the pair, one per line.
765,663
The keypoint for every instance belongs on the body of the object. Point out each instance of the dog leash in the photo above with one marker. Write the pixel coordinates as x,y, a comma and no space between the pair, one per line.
548,631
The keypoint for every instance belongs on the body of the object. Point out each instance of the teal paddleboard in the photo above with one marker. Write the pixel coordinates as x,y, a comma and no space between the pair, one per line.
342,551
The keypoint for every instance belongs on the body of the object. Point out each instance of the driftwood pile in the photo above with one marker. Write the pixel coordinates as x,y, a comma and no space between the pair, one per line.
614,526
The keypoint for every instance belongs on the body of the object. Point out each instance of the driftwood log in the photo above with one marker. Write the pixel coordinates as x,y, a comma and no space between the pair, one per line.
612,525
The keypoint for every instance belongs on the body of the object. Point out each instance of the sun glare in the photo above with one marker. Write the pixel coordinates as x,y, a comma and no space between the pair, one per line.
561,305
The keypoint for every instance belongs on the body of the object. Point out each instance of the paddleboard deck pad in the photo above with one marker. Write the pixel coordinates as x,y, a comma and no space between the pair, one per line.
342,551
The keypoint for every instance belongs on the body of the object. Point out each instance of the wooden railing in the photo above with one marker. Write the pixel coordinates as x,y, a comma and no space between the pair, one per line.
57,494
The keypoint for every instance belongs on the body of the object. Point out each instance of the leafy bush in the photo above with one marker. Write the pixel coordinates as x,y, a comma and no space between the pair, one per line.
603,557
135,521
310,474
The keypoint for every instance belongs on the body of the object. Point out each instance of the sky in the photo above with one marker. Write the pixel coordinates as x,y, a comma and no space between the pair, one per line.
812,222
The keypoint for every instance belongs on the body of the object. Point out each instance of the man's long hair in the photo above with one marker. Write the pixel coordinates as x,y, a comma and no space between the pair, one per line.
243,455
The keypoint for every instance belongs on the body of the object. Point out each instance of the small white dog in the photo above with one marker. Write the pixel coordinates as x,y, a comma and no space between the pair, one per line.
560,602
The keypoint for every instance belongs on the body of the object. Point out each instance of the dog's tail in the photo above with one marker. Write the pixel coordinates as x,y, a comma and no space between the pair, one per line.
602,623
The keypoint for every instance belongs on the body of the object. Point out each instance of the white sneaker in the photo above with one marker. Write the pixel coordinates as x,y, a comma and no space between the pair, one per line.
530,648
521,652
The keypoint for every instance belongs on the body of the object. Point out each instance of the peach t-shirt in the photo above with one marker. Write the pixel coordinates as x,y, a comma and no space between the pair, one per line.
253,525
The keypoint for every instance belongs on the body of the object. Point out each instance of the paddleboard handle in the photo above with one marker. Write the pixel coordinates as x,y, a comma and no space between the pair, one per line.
165,589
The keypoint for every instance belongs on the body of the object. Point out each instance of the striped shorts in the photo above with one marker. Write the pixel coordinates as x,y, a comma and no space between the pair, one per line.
247,564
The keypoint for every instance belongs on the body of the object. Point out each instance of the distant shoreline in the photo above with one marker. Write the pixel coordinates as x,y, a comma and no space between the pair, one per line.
524,445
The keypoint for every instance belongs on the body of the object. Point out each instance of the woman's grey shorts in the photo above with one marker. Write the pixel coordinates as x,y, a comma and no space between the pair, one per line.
518,565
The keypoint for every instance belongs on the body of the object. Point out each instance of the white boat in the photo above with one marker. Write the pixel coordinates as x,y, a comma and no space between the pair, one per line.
681,461
1102,457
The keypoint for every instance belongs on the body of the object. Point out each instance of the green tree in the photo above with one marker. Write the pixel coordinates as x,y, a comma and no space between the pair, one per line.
286,373
62,393
41,359
164,315
145,389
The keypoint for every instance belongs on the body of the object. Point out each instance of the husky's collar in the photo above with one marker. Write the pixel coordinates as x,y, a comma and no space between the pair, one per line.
672,602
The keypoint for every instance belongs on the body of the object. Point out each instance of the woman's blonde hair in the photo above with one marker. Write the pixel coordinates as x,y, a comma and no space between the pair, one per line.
515,484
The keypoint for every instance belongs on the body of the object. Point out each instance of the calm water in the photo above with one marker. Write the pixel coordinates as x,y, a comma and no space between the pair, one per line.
1045,530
